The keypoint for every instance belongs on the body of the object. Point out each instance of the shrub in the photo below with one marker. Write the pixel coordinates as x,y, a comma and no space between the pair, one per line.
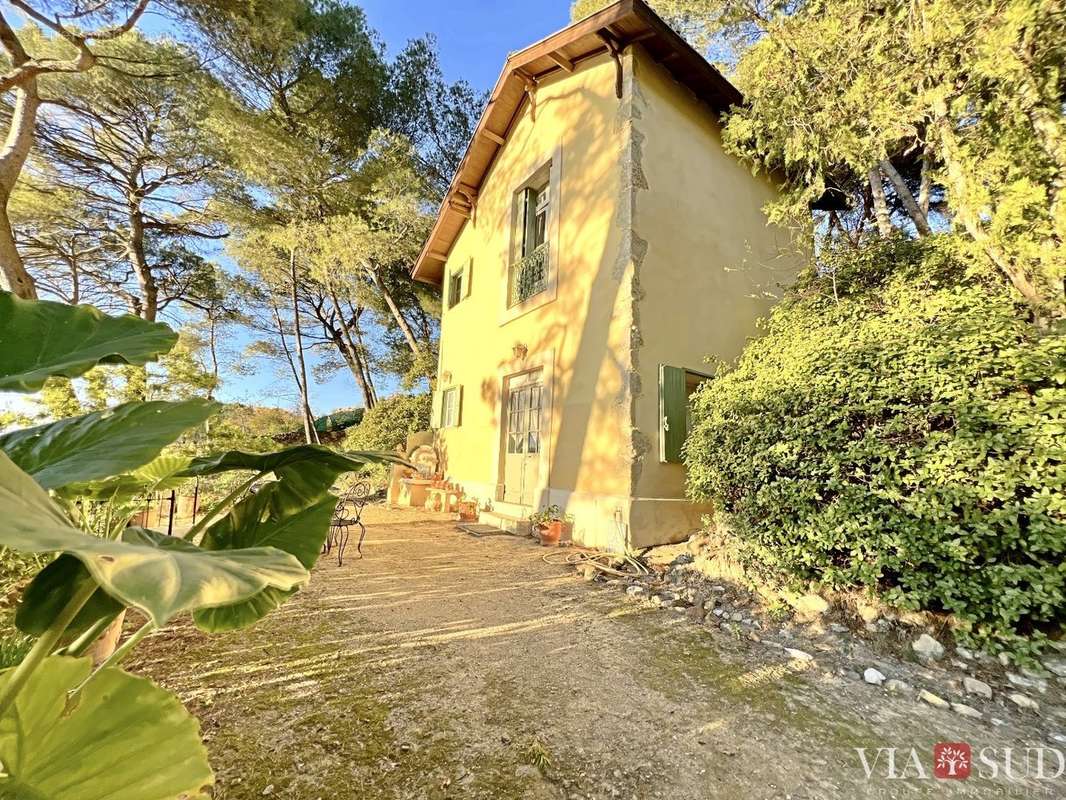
905,433
387,424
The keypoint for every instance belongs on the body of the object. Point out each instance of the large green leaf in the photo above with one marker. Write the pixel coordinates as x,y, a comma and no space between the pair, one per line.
292,456
124,737
292,516
160,575
39,339
103,443
155,476
49,592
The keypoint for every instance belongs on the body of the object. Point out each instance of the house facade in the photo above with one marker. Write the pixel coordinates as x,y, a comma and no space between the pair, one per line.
596,246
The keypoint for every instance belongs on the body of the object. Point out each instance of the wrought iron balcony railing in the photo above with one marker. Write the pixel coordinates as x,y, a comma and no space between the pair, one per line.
529,276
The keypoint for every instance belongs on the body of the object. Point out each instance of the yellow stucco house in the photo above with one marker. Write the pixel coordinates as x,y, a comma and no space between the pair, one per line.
595,245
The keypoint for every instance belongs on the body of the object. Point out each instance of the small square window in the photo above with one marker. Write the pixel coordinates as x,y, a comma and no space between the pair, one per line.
449,407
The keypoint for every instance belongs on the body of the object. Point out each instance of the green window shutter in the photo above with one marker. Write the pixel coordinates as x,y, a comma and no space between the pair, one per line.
673,413
467,277
529,221
459,406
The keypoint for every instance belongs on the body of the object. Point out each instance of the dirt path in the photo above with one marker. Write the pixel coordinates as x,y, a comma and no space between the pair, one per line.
447,666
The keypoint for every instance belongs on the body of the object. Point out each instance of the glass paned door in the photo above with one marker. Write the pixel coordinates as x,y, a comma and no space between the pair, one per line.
523,439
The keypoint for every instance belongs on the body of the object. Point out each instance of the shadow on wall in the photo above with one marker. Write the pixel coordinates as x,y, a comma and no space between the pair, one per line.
589,443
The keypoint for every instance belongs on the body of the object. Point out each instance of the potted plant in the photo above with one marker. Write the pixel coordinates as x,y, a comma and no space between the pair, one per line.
468,511
551,524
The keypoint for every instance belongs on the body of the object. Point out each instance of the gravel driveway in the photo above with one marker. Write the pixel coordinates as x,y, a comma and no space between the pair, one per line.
444,666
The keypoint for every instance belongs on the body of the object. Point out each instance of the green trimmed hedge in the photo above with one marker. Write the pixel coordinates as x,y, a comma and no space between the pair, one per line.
905,431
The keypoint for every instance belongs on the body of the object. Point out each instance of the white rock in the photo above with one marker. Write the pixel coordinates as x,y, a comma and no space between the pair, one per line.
867,612
927,648
1004,659
1024,701
997,722
810,604
1036,683
894,686
932,699
966,711
974,686
798,655
873,676
964,653
1057,738
1055,664
636,591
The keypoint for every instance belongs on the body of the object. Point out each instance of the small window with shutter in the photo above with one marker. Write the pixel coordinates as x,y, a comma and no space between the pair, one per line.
455,288
676,387
458,286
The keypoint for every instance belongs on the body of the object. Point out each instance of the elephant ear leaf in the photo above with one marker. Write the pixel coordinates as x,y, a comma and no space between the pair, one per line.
45,746
50,591
39,339
103,443
279,515
160,575
299,456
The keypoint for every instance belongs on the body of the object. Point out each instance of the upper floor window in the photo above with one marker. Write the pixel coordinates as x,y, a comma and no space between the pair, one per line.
529,269
457,285
455,288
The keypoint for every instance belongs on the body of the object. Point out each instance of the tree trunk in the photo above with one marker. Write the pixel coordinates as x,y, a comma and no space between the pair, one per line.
13,275
75,277
355,359
925,189
149,305
212,341
362,348
305,411
972,223
919,219
877,189
309,421
395,309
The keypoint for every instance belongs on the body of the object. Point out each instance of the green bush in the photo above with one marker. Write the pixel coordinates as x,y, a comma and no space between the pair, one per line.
901,430
387,424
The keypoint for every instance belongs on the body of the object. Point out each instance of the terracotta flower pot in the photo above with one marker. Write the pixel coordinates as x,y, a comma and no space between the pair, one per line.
550,536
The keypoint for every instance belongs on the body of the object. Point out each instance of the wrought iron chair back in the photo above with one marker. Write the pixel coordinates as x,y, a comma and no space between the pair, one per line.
347,515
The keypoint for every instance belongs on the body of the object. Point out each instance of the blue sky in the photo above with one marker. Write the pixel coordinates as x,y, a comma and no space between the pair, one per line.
473,38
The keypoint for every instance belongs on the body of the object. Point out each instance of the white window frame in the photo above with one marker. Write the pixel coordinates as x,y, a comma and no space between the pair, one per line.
551,163
450,415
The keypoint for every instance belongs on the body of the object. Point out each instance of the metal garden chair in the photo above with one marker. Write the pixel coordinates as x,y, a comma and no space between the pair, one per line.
346,516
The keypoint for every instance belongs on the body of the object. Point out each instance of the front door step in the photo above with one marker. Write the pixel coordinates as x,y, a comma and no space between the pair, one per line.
516,525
